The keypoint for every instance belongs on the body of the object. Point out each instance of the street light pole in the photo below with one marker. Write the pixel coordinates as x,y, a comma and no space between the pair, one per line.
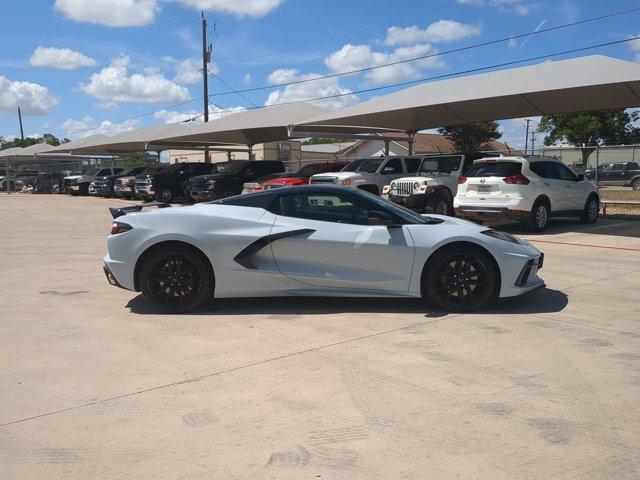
206,59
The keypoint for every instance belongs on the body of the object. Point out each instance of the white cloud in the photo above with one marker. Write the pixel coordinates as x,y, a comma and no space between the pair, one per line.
283,75
246,80
440,31
634,46
87,126
244,8
113,84
33,99
61,58
520,7
306,91
189,71
512,43
171,116
356,57
111,13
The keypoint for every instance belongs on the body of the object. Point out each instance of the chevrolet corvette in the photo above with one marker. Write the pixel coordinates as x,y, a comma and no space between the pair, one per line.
316,240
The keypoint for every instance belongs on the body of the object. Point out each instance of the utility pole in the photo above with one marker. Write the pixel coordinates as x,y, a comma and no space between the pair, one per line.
206,59
20,120
526,136
533,141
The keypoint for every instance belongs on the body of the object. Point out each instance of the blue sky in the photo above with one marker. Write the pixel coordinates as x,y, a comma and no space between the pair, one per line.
79,67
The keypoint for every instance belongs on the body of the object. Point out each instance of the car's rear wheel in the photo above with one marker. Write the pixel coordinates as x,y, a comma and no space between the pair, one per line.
175,279
636,184
84,189
460,279
591,210
539,216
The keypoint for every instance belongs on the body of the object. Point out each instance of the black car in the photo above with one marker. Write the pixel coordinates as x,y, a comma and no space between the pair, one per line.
229,181
104,185
170,182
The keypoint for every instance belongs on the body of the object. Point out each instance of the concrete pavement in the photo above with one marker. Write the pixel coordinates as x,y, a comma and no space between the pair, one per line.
95,385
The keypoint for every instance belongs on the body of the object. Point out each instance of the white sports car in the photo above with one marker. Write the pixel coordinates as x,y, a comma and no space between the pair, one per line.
313,240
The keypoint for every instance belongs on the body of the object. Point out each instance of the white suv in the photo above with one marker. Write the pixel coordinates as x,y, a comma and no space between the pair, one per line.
369,174
529,189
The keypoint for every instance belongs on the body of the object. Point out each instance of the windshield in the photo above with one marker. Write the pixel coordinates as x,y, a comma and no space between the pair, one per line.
92,173
367,165
440,164
155,169
234,167
309,170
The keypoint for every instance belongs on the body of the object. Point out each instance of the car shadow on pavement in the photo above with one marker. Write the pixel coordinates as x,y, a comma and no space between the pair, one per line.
541,301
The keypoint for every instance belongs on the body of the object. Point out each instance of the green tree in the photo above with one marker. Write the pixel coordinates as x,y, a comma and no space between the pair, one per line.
323,141
590,129
471,136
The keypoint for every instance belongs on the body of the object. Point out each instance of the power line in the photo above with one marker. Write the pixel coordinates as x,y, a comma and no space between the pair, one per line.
431,55
399,84
229,86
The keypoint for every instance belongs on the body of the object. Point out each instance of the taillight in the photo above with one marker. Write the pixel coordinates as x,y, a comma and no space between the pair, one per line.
518,179
461,179
119,227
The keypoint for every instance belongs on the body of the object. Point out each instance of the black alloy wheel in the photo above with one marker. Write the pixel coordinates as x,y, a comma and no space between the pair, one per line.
175,280
164,195
460,280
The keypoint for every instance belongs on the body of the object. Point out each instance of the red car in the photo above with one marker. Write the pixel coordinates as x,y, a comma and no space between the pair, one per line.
302,176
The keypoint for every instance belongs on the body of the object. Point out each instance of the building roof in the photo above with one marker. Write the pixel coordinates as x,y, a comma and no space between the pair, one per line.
334,148
433,143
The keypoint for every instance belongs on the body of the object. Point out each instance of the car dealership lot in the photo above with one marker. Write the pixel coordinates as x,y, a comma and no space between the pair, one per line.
95,385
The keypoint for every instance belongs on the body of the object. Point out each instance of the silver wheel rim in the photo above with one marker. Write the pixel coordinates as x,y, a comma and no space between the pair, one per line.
636,185
166,195
441,208
541,216
592,210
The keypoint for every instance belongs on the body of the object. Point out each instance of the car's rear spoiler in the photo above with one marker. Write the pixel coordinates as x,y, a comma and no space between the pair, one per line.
119,212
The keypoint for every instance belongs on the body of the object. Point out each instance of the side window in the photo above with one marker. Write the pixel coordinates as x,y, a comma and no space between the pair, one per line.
324,208
565,173
632,166
102,172
392,167
545,170
412,164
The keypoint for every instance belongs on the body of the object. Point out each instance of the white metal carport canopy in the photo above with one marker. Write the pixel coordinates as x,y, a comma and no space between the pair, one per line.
251,127
580,84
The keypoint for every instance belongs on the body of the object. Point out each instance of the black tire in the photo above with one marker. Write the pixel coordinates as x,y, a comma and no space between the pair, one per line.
226,193
175,279
636,184
164,195
460,279
591,210
539,218
84,189
440,205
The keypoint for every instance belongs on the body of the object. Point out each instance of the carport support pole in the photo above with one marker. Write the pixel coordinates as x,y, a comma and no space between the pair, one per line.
7,177
250,150
386,148
410,141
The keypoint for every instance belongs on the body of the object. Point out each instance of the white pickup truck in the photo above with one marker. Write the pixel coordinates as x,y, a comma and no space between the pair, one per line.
434,185
370,174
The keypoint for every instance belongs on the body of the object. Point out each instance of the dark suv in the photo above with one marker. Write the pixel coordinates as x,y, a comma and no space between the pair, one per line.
229,181
170,182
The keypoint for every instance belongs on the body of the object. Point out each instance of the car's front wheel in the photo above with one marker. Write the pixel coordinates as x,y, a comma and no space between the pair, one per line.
440,205
636,184
175,279
164,195
591,210
460,279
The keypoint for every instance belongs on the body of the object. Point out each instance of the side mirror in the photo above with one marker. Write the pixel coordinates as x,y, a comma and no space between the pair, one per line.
381,218
581,177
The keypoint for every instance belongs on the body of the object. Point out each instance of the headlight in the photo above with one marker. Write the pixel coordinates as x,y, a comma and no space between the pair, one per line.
416,185
504,236
347,182
211,183
392,186
386,189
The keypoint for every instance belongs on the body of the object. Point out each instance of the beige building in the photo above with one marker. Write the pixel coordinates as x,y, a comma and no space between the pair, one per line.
288,152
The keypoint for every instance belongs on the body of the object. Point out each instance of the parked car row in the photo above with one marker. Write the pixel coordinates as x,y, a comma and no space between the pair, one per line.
625,174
